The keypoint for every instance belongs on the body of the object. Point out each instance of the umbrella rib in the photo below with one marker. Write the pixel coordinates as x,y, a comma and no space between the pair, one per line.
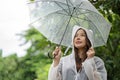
66,27
92,22
71,3
64,31
99,31
48,15
91,11
87,9
68,6
63,19
60,6
84,15
79,5
62,13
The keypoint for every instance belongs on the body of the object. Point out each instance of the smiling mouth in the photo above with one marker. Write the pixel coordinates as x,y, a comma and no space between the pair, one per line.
78,42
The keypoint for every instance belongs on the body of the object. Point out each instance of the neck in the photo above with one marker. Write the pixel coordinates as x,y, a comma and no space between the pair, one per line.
82,53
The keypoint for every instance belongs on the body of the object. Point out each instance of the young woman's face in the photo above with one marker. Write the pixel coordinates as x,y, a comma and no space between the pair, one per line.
80,39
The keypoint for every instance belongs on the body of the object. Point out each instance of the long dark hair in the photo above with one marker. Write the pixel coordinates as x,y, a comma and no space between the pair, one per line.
77,58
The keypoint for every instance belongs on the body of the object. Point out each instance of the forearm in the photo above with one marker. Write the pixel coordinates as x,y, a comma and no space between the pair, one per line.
52,75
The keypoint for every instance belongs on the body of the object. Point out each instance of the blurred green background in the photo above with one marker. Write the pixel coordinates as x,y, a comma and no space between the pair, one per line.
35,64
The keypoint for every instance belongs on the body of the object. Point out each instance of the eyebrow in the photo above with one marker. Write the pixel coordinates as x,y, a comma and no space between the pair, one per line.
80,34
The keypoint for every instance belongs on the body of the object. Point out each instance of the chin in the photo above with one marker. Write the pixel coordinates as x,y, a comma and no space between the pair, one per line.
79,46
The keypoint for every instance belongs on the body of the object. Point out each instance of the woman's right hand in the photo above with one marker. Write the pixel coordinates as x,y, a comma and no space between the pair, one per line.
57,55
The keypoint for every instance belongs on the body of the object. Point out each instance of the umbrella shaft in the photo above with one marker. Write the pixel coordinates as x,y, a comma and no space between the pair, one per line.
66,28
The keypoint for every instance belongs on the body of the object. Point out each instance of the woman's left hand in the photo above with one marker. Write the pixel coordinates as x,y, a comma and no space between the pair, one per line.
90,53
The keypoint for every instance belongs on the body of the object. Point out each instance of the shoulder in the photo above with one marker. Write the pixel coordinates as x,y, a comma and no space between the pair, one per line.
98,61
63,61
65,58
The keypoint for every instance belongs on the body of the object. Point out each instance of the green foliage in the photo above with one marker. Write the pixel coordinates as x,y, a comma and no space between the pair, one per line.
110,52
36,59
9,67
107,5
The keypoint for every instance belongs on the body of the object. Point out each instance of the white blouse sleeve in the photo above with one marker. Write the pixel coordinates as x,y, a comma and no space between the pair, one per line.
95,69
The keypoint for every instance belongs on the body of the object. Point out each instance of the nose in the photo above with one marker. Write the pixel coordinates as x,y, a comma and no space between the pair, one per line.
78,38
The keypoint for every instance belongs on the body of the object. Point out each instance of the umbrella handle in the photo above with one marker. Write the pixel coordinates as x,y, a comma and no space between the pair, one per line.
54,55
50,56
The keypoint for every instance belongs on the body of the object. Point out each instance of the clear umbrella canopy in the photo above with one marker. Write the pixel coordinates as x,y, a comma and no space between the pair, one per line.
56,18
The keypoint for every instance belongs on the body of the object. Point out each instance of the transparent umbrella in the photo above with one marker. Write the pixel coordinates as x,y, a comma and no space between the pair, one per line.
56,18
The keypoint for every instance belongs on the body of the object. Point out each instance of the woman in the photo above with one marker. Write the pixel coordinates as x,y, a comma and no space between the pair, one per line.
81,64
